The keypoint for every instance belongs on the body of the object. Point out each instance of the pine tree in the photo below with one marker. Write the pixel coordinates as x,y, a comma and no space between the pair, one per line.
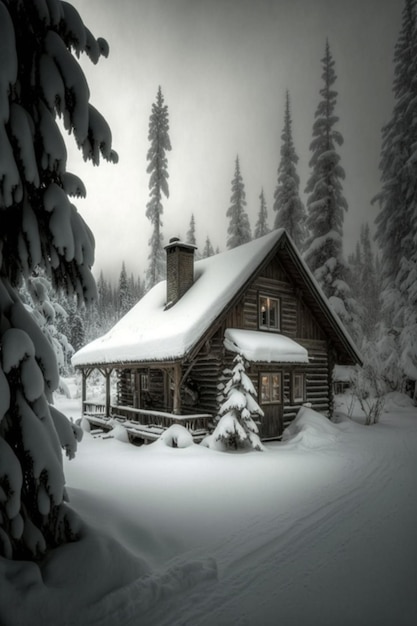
125,293
158,184
365,283
41,228
261,227
326,206
208,249
236,427
397,198
369,285
290,212
239,228
396,222
190,238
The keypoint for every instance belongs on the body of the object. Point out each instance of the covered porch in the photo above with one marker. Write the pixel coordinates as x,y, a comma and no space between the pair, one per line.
147,401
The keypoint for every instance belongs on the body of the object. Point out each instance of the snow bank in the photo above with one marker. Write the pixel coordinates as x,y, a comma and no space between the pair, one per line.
311,430
71,580
396,400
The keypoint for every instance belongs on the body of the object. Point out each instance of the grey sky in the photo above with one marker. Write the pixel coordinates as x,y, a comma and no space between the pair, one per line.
224,67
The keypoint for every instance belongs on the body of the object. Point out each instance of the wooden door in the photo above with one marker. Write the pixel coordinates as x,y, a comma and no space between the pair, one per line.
270,401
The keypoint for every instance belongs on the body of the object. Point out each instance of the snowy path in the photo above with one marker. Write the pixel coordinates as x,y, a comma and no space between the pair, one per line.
343,557
317,531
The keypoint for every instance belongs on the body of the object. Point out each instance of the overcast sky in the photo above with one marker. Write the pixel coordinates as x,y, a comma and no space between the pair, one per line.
224,67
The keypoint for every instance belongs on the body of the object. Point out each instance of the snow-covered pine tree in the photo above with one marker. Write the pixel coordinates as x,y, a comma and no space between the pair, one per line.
40,79
290,212
239,228
190,237
77,331
125,293
261,227
396,232
208,249
397,198
158,185
48,312
235,426
369,285
326,205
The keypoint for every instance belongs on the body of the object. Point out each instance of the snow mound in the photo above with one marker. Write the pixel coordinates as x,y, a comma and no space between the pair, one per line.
396,400
75,570
311,430
120,433
176,436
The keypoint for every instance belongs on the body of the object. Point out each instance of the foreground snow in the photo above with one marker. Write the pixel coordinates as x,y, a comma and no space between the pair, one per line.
319,529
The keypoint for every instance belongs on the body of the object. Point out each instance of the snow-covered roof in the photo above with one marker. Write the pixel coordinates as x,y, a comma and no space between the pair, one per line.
258,346
148,332
151,333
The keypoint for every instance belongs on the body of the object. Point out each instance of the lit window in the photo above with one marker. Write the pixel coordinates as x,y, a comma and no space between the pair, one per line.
298,387
270,388
269,313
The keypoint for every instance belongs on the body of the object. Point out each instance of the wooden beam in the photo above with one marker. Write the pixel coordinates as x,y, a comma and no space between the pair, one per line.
176,409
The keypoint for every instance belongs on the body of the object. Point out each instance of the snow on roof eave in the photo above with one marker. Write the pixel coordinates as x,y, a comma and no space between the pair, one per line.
334,319
264,346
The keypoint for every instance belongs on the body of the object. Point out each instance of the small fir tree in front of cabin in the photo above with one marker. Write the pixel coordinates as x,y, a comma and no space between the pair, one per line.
236,427
289,209
158,184
239,228
40,79
261,226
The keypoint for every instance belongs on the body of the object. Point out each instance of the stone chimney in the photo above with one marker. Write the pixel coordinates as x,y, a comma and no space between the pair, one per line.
180,269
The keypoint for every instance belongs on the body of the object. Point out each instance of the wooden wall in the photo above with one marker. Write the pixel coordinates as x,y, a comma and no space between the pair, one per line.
203,375
298,323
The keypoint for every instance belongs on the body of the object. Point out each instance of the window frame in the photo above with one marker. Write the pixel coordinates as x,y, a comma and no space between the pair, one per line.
270,376
298,399
144,381
268,327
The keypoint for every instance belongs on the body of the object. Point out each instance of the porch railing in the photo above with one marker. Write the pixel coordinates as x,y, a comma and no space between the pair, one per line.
151,420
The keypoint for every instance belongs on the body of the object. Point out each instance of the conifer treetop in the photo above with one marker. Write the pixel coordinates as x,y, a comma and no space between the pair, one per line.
158,184
290,212
239,229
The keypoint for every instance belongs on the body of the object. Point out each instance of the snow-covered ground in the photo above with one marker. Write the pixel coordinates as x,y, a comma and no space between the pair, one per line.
321,529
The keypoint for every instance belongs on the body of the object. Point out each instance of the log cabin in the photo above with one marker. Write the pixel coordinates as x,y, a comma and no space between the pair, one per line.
170,351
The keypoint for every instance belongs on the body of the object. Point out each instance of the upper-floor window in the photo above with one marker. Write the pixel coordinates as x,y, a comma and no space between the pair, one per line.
269,313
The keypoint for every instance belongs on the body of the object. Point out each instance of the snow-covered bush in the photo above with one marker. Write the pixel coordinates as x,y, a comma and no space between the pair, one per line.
368,386
41,230
176,436
235,427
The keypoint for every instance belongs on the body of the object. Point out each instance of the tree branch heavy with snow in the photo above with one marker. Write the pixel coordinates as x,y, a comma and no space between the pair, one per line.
40,80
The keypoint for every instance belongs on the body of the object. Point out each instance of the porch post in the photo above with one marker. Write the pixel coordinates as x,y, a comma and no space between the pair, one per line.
176,409
107,401
83,390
